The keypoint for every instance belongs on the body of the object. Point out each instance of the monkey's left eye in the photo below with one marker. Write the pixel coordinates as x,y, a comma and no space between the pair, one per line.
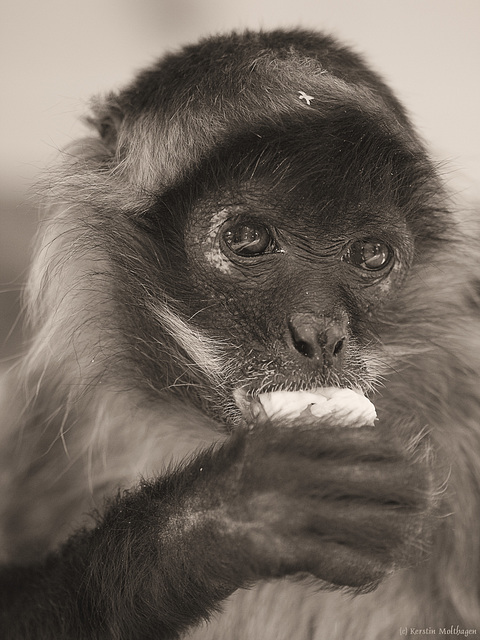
249,239
369,254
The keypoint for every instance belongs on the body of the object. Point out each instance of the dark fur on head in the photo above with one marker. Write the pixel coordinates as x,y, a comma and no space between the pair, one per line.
142,337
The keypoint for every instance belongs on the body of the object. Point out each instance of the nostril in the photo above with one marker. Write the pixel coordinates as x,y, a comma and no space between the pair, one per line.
304,337
304,348
339,347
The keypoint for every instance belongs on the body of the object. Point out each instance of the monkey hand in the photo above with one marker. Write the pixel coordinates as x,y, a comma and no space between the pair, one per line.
346,505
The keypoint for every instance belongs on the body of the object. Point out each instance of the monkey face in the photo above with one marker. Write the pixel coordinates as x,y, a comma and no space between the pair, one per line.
291,251
291,272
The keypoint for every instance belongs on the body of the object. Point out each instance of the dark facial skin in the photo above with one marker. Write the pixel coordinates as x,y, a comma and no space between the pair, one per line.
293,293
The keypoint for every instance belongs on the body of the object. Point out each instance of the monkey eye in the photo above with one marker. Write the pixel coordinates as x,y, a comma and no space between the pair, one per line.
249,239
369,254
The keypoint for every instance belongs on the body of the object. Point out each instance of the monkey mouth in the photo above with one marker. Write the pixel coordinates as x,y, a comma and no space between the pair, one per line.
346,406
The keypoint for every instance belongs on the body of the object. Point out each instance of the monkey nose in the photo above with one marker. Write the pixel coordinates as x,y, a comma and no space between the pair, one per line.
319,339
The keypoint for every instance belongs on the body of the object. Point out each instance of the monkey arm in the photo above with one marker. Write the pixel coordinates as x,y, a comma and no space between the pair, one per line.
271,501
149,569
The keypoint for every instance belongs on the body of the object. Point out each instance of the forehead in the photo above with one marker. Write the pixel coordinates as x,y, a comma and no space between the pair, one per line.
312,169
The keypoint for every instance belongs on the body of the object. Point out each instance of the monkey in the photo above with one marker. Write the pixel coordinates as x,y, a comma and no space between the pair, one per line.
253,216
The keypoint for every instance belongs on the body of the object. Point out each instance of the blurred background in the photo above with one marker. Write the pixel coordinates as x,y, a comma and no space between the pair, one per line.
55,54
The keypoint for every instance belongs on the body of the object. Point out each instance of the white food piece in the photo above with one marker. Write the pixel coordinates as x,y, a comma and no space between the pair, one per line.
347,406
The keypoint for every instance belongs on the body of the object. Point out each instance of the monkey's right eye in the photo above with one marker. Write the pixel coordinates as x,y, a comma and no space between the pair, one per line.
249,239
369,254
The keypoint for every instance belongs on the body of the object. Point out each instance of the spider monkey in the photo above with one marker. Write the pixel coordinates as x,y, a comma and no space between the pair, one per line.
253,214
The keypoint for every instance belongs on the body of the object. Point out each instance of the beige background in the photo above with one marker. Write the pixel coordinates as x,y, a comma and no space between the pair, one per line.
54,54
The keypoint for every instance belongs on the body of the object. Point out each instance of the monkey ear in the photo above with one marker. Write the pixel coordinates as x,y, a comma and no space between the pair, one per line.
107,117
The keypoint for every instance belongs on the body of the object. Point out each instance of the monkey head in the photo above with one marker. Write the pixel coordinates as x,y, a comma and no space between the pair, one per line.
290,200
